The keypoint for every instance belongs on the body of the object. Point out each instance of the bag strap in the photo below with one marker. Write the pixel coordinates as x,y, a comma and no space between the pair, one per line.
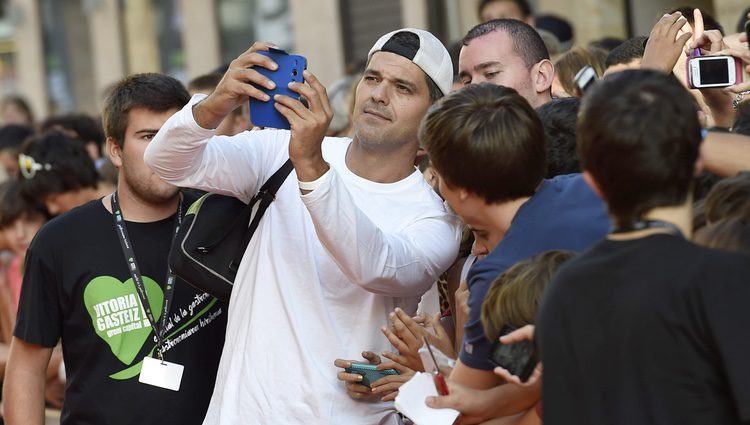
265,195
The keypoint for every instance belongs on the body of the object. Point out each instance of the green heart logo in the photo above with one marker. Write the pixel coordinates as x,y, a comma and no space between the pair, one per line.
117,315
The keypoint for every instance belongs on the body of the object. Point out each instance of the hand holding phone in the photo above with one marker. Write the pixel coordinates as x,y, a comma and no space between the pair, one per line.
369,372
713,71
235,87
518,358
290,69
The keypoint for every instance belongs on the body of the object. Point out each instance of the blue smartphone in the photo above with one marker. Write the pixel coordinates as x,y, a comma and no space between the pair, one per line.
264,114
369,372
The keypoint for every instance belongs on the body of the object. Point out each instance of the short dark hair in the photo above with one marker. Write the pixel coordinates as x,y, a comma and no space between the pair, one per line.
454,51
559,27
488,140
742,119
86,128
559,118
70,166
205,82
729,197
639,160
709,22
606,43
13,135
527,43
154,92
411,41
523,6
630,50
14,205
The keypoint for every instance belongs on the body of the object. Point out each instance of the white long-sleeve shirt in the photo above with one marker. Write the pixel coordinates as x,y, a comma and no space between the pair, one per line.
319,277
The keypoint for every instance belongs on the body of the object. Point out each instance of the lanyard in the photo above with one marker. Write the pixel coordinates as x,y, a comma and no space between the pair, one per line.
648,224
135,273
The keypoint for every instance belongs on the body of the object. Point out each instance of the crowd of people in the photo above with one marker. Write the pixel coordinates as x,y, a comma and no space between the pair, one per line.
507,190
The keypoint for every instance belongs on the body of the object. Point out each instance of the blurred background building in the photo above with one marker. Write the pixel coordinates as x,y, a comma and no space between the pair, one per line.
63,54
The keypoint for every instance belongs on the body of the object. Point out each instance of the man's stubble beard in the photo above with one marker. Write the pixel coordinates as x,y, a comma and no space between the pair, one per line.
149,188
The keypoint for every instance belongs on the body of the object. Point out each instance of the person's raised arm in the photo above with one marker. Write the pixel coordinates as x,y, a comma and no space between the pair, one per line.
308,126
725,154
23,389
401,263
395,264
236,87
181,154
477,406
664,45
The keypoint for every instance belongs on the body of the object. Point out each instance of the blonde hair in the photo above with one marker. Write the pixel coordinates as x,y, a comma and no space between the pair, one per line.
514,296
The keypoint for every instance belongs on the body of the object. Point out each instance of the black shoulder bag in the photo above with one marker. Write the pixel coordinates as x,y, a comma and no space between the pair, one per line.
214,235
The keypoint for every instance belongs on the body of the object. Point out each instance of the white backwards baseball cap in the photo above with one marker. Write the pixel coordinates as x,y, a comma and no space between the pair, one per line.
431,56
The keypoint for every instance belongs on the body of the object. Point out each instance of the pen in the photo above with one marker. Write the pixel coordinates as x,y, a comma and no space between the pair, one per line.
439,378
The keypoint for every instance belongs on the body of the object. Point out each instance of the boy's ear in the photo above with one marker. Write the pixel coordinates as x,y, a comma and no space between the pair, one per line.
463,194
114,151
589,179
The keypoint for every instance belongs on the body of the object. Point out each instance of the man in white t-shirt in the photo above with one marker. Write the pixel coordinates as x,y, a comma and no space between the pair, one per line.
354,232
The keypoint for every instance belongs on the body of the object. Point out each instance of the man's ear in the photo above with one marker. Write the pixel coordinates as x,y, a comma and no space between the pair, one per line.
589,179
543,76
463,194
114,151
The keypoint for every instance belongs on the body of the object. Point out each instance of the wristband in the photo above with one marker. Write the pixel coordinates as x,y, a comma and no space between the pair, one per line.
310,186
739,98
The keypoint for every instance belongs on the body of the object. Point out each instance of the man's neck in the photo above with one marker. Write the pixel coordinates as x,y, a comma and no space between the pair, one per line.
681,216
379,166
136,209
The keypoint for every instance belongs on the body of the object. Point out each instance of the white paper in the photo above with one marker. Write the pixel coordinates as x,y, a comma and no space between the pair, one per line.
161,374
411,402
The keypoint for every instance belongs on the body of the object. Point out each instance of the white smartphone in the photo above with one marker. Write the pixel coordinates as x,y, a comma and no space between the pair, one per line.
713,71
585,78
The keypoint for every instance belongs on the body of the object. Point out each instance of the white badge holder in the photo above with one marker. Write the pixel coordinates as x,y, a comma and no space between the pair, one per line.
160,373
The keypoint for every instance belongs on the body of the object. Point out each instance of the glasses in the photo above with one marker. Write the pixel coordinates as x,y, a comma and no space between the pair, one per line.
29,166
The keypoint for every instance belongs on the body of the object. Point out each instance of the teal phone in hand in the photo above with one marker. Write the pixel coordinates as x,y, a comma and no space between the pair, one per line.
369,372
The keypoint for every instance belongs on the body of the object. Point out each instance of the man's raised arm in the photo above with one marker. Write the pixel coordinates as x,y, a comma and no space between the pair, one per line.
181,154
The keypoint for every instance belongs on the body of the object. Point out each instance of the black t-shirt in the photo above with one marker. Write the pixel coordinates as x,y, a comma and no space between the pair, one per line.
647,331
77,288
